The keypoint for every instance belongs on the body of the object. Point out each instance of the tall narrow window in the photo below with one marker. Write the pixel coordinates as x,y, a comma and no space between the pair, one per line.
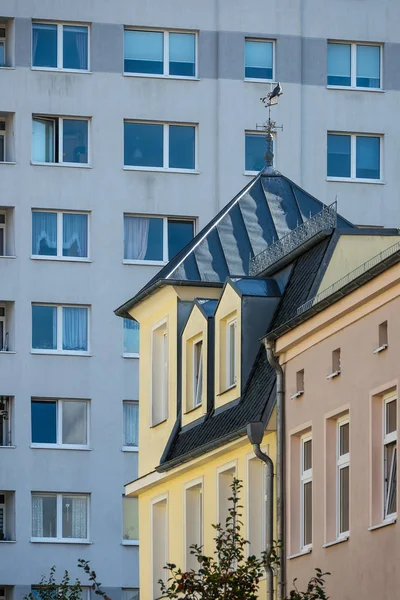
131,338
231,353
197,373
255,148
131,424
5,421
159,544
256,511
130,519
193,522
343,477
2,227
306,492
336,366
7,516
3,329
390,457
2,141
225,477
3,32
383,335
159,374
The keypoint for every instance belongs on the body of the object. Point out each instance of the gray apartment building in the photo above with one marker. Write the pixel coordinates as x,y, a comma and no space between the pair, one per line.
124,127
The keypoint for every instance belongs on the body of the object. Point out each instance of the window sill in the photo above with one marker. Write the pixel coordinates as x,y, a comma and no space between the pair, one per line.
7,162
380,349
55,353
349,88
335,542
161,170
64,165
8,541
7,352
53,541
11,256
191,410
60,447
349,180
333,375
130,355
5,68
302,553
155,76
228,389
384,524
130,449
148,263
62,258
297,395
256,80
54,70
7,447
130,543
154,425
250,173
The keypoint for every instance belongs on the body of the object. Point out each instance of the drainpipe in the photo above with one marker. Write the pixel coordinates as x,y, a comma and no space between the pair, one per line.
255,432
280,508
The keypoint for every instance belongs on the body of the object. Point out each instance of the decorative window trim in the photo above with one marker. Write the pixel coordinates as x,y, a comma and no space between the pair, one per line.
59,349
59,233
58,132
59,423
59,538
353,157
256,79
60,47
353,66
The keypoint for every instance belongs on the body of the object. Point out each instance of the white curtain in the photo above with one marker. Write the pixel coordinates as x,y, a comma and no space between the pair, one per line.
131,423
44,233
75,328
74,235
136,237
79,518
37,516
81,41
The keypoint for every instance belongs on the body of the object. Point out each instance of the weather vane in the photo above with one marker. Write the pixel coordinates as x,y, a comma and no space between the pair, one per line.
270,127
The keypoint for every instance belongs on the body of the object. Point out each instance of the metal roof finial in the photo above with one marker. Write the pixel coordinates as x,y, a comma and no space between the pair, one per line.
270,127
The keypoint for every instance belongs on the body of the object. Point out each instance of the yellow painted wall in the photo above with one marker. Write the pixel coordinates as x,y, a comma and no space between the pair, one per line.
174,487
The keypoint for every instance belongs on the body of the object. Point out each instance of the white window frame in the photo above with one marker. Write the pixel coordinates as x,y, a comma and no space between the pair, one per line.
3,134
353,152
166,168
126,448
305,477
353,66
58,131
164,360
195,483
3,507
59,537
59,349
197,376
231,375
256,79
388,438
165,74
3,226
228,467
3,42
59,444
342,462
7,423
158,500
129,354
60,215
60,46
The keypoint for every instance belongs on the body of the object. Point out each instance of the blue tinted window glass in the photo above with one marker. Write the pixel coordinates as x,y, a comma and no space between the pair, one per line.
339,148
75,47
180,233
367,157
258,59
75,329
182,54
255,148
143,144
368,66
143,238
44,45
339,64
181,147
131,337
44,234
44,422
75,141
144,52
44,327
2,55
75,235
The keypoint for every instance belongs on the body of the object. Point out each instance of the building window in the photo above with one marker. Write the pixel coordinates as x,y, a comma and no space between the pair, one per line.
197,373
130,519
131,424
58,46
193,522
3,231
7,516
354,65
231,353
336,364
5,421
130,594
225,477
354,156
159,146
256,510
4,334
306,493
383,339
255,148
3,130
60,234
343,477
155,239
390,457
159,544
168,53
131,338
259,60
159,395
3,51
60,517
63,423
60,329
60,140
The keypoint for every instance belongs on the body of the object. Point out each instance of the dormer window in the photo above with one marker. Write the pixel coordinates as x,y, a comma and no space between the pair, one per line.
231,352
197,373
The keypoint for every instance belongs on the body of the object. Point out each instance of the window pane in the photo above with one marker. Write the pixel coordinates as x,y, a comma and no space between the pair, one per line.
307,513
74,517
2,55
44,516
131,424
144,52
307,455
368,157
143,145
75,141
391,416
44,45
258,60
43,140
44,327
344,499
2,148
130,594
2,248
131,518
131,337
143,238
255,148
339,64
180,233
339,155
74,422
182,54
390,478
44,422
44,234
75,50
75,235
75,329
368,66
344,442
181,147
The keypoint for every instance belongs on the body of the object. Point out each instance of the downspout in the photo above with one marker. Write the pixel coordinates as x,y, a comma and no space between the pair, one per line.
280,436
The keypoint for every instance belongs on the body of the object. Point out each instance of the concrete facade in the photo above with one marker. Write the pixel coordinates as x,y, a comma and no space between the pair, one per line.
224,106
